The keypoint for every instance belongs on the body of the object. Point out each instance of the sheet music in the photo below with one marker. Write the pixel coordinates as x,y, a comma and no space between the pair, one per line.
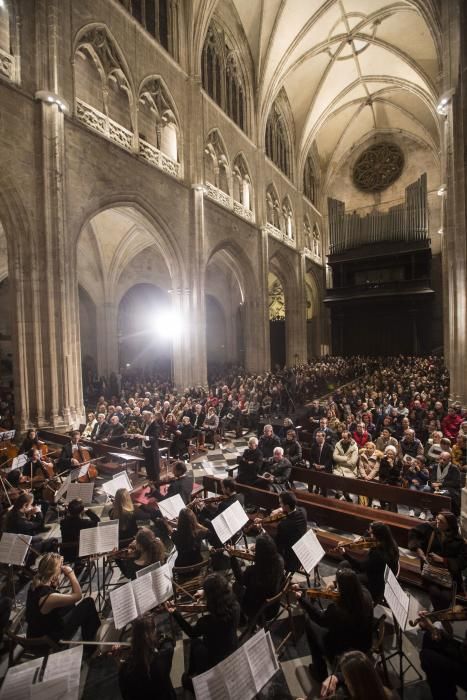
14,548
262,658
83,470
144,594
19,679
7,435
62,489
19,461
65,663
119,481
237,676
171,507
396,598
127,458
210,686
228,523
309,551
83,491
108,536
88,542
55,689
122,600
148,569
162,583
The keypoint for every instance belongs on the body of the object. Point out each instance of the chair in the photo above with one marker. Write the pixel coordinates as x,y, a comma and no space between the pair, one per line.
31,647
188,579
262,619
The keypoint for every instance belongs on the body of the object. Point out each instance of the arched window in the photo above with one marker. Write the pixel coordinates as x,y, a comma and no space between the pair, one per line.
307,233
309,181
104,98
159,18
287,219
157,123
216,163
277,141
222,76
242,192
273,207
8,64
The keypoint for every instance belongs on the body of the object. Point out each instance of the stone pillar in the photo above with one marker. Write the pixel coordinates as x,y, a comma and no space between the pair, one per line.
107,339
256,314
454,17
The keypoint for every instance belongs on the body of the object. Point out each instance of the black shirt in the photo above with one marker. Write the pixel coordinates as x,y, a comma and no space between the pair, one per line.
51,624
135,682
219,636
289,531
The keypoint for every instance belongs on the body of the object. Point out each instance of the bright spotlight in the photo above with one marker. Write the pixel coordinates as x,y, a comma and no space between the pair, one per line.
168,324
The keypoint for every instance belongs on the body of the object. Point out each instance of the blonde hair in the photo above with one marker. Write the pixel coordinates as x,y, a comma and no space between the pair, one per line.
49,567
123,505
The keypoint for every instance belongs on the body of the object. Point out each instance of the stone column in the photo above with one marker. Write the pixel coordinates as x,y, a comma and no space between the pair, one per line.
256,314
295,319
107,338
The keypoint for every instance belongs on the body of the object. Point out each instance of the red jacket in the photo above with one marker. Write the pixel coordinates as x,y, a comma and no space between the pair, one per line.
450,425
361,440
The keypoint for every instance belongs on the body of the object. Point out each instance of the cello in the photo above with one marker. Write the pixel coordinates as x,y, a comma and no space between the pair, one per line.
84,457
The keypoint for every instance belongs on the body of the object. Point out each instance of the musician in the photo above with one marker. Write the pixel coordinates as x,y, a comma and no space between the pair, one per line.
276,478
188,537
345,624
441,545
114,436
261,580
371,567
292,448
25,518
356,678
30,441
146,549
444,661
181,483
71,455
290,529
101,428
124,511
250,463
145,672
37,466
92,421
217,629
75,520
150,442
59,615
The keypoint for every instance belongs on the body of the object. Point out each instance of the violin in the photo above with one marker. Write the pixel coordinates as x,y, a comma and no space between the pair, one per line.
206,501
359,545
125,553
240,553
456,613
191,607
327,593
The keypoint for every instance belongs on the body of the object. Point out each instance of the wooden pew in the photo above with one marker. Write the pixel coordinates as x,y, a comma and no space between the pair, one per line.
347,517
372,489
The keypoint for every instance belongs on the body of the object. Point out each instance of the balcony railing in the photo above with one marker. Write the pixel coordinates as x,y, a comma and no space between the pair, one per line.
225,200
280,235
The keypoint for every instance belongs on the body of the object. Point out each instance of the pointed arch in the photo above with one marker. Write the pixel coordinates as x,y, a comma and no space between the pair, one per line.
287,219
273,206
241,180
158,117
9,41
217,170
279,138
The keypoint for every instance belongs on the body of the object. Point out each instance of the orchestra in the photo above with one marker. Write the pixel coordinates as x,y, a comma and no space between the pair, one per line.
242,574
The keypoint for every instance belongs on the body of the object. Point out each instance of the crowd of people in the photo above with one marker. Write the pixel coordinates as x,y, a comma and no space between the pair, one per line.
391,422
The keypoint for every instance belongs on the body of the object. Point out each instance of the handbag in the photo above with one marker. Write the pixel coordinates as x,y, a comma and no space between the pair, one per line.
438,575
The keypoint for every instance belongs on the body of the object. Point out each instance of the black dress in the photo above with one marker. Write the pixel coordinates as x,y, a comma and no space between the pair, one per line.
371,569
188,555
135,682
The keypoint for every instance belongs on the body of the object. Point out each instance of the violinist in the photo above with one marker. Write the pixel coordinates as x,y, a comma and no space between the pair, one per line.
217,629
440,545
443,659
75,520
124,511
59,615
181,483
37,468
371,567
146,549
25,518
30,441
145,673
346,623
290,529
261,580
188,537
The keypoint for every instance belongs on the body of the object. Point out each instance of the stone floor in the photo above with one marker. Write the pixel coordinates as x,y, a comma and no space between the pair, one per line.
99,676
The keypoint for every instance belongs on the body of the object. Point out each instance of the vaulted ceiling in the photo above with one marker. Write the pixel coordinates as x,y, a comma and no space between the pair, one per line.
349,67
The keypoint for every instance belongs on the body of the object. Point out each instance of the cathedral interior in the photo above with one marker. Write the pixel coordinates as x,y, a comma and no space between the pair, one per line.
199,189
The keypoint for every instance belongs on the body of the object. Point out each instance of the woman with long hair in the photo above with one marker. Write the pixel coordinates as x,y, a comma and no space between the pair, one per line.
260,580
146,549
345,624
217,628
360,680
371,568
188,538
123,510
145,672
58,615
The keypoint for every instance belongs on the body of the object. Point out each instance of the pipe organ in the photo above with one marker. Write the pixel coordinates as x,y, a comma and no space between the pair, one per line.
403,222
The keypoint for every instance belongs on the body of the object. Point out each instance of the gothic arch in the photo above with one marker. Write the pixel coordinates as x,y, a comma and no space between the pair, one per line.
10,41
241,181
155,99
273,213
287,218
217,171
279,136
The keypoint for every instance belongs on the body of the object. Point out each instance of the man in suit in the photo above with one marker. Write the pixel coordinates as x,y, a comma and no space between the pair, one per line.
71,455
101,428
150,440
321,454
115,433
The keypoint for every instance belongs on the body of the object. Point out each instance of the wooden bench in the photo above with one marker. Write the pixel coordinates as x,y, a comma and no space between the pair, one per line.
347,517
372,489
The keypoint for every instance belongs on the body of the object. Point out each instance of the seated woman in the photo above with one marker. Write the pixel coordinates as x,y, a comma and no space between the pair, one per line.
89,427
58,615
146,549
371,568
356,678
345,624
188,538
145,672
30,440
123,510
250,463
218,628
260,580
441,545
